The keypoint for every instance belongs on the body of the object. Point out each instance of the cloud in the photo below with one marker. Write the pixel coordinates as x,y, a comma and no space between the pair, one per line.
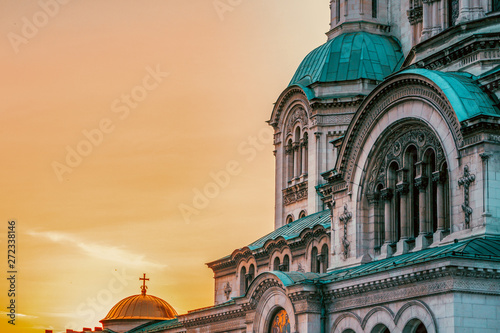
100,251
25,316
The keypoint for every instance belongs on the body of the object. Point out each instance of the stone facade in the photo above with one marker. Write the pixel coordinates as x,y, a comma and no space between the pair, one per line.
387,146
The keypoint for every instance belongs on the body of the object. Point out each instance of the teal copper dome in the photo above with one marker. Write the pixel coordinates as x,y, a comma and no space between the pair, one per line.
350,56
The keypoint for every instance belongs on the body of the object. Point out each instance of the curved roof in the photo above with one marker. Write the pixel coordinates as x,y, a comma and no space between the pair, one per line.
351,56
141,307
464,95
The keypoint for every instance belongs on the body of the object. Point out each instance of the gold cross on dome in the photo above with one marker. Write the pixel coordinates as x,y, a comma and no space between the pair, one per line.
144,287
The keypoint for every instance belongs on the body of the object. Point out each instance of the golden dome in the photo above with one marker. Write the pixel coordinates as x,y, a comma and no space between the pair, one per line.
141,307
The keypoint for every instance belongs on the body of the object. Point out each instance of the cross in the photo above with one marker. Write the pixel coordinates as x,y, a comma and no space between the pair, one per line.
466,181
144,287
345,218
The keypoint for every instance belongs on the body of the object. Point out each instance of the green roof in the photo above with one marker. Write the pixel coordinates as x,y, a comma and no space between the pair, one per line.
479,248
351,56
157,326
295,228
464,95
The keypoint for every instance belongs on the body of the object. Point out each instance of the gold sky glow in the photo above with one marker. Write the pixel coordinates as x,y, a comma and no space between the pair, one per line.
157,98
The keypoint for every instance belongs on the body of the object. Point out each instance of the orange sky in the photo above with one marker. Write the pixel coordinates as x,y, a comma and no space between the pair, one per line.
114,113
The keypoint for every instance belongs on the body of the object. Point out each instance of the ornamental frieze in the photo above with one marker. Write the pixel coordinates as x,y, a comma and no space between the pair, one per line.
295,193
298,115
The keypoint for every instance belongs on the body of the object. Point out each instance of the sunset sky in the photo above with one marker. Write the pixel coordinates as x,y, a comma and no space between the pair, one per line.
115,115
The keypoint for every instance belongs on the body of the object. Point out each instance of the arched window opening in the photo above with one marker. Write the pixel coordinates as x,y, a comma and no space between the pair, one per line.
453,11
250,276
415,326
379,217
495,6
412,199
280,323
243,286
298,153
276,264
380,328
443,197
393,205
324,258
305,153
290,156
431,202
289,219
374,8
315,260
302,214
285,267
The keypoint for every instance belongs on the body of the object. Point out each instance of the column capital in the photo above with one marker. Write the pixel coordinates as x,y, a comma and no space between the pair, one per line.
373,198
439,177
386,194
485,156
402,188
421,183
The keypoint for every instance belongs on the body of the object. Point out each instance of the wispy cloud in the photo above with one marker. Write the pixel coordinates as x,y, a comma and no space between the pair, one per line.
100,251
25,316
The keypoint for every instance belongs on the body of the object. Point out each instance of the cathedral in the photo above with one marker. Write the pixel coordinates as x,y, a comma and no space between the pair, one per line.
387,186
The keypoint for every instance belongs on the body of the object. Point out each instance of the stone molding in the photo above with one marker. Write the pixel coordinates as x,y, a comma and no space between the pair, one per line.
289,96
295,193
398,90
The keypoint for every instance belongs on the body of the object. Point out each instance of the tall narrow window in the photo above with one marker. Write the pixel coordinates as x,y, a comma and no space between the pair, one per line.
314,259
324,258
285,267
250,276
276,264
243,273
453,10
374,8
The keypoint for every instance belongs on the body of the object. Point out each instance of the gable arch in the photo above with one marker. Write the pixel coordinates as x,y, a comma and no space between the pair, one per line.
406,95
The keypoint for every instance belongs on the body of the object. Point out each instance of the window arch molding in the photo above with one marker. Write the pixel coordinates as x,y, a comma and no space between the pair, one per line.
402,175
318,244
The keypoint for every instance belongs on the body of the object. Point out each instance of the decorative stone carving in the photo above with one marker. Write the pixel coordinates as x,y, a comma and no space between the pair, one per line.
295,193
298,114
227,290
466,181
345,218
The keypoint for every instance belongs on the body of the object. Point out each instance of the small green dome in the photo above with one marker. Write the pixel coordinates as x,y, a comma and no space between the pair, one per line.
351,56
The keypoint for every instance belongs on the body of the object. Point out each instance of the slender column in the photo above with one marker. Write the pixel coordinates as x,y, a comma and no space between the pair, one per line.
438,177
421,184
426,20
436,18
296,159
386,195
464,14
304,156
373,221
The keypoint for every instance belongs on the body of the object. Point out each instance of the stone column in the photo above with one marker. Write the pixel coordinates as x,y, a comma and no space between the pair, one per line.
465,11
438,178
386,250
421,184
436,18
426,20
304,156
403,190
296,156
373,222
386,195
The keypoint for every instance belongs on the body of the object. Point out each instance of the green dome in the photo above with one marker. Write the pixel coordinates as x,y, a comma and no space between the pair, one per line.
351,56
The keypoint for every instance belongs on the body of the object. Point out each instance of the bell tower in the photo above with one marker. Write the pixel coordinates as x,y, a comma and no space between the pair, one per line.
359,15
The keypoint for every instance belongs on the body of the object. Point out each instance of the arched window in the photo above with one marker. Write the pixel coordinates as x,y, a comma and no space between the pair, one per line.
415,326
250,276
285,267
324,258
243,286
412,202
276,264
380,328
453,11
298,153
290,156
374,8
315,263
302,214
289,219
280,323
305,153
